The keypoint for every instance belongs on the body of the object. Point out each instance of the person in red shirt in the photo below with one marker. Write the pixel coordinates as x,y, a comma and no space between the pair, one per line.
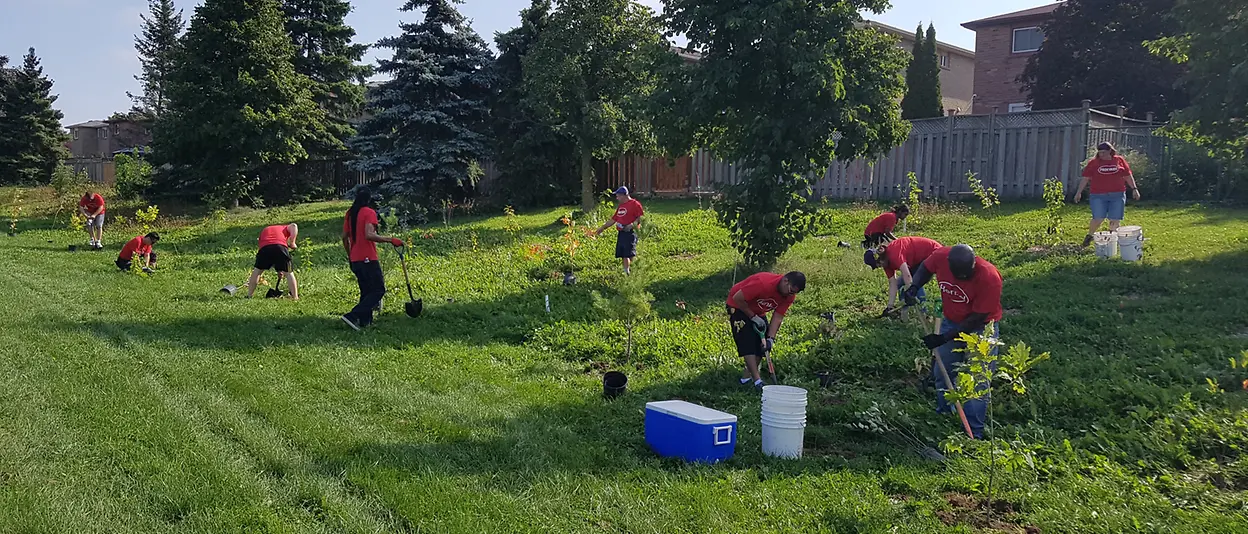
276,242
896,258
749,301
626,220
91,206
1110,178
970,294
140,246
359,233
881,228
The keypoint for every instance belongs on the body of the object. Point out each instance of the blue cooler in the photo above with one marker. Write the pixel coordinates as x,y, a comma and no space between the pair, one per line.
679,429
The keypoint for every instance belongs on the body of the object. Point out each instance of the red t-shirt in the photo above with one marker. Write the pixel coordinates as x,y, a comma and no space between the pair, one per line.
275,235
134,246
910,250
761,294
884,224
960,298
628,213
361,248
92,203
1107,176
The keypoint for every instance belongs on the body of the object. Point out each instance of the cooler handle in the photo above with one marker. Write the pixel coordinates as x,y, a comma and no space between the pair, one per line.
728,435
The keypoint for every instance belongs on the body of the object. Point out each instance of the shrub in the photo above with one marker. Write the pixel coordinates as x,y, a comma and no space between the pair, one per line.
67,185
133,176
987,195
630,305
1054,200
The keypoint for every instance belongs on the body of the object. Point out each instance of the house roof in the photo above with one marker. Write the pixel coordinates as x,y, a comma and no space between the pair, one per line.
1035,13
89,124
910,35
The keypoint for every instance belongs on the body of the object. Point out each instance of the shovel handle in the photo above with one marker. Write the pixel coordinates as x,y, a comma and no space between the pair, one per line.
944,375
403,262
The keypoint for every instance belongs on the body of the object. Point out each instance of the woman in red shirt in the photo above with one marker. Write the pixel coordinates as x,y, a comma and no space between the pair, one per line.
1110,177
881,228
359,235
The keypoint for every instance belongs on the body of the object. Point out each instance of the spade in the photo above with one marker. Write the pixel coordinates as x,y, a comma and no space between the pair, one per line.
276,290
413,306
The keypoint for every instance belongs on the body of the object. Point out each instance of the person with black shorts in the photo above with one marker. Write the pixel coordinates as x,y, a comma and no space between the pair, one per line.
626,219
138,250
276,242
749,301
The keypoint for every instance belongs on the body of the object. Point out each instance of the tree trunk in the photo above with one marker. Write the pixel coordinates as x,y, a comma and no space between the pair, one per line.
587,181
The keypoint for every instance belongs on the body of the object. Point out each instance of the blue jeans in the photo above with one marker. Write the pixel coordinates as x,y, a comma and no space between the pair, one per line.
372,289
1112,206
976,410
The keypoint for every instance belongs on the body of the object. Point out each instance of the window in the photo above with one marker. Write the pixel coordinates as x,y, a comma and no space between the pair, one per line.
1028,39
75,134
1019,108
944,61
103,133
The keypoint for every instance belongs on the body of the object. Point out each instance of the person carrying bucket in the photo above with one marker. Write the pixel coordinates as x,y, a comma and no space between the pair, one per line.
880,229
896,257
276,242
91,206
749,302
140,246
359,233
1110,178
970,293
625,220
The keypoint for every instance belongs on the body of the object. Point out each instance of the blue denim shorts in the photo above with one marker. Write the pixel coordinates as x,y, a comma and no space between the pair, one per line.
1112,206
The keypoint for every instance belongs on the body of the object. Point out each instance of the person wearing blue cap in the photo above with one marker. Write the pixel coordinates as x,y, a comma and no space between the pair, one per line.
626,220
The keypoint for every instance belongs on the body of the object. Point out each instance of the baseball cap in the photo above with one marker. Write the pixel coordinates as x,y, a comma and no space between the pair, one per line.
623,190
1105,146
869,259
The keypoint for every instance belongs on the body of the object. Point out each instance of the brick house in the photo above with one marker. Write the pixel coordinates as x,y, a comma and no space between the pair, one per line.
957,69
103,139
1003,44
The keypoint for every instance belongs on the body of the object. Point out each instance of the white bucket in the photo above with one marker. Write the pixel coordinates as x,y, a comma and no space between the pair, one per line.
783,442
1131,243
782,422
784,410
784,393
1106,244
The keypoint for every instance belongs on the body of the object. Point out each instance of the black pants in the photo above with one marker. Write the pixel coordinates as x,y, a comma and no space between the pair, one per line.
125,264
372,288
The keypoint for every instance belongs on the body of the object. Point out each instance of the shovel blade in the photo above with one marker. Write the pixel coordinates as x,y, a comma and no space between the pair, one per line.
414,308
273,293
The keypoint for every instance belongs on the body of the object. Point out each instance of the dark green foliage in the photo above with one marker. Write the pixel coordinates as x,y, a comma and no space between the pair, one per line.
536,162
785,89
922,99
1094,50
235,102
157,46
31,138
429,123
325,53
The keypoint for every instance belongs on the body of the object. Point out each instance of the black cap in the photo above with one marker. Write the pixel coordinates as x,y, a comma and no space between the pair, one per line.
797,280
962,262
870,259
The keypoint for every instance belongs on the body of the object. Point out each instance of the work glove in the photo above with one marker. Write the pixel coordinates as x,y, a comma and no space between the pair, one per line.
934,341
760,324
911,294
148,270
768,344
396,242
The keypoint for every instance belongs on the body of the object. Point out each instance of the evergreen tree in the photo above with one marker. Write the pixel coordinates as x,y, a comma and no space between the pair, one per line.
914,79
428,124
922,100
1094,50
933,104
235,101
156,46
32,142
325,53
535,162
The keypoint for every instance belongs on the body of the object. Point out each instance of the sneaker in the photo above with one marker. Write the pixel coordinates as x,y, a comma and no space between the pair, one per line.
758,384
351,323
1087,240
744,381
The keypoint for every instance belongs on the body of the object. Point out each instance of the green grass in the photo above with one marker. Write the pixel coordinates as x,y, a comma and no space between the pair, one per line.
157,404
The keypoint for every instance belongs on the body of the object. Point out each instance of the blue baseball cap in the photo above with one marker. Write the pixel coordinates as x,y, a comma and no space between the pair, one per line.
623,190
870,260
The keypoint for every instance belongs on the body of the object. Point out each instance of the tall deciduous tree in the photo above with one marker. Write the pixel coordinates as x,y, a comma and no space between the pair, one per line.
785,88
429,122
1094,50
160,28
537,164
326,54
235,101
32,142
590,75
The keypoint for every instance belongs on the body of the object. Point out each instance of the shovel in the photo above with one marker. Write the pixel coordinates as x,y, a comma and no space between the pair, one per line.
413,306
944,375
771,368
276,290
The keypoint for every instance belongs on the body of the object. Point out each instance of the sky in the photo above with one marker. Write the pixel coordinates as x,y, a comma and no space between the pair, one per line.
87,46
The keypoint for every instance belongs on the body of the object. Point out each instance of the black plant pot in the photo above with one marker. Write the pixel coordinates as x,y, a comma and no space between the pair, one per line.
569,278
614,383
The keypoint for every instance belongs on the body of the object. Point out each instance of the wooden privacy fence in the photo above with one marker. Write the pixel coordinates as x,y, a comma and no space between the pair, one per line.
1014,153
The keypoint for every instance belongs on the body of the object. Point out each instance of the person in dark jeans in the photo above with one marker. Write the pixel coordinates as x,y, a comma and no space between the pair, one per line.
359,235
138,249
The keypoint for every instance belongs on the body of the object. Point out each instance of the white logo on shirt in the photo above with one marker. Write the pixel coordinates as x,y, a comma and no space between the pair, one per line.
621,212
766,304
954,292
1109,169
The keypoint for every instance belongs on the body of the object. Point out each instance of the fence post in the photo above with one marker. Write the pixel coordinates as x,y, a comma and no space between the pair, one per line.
1087,134
949,165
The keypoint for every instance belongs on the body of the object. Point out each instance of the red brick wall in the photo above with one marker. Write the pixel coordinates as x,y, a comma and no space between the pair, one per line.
997,67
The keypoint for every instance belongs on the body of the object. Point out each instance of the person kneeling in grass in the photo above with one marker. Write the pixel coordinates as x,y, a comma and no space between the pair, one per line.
140,246
276,242
897,258
970,293
748,304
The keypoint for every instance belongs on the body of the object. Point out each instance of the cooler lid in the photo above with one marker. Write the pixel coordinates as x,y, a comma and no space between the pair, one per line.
691,412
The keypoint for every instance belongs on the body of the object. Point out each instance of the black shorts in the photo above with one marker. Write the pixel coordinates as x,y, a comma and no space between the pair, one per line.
626,244
749,343
125,264
276,257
